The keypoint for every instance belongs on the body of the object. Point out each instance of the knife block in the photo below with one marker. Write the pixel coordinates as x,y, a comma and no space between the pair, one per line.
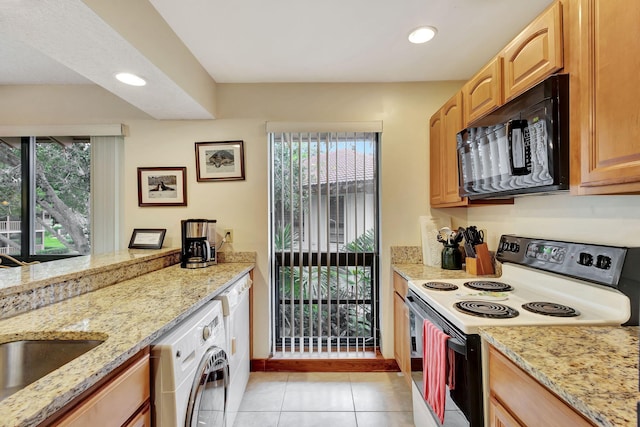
482,264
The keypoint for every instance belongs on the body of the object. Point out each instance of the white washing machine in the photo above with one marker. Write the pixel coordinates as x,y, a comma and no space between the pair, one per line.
235,307
190,372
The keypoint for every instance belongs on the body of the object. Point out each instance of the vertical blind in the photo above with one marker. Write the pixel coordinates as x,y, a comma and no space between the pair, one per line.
324,244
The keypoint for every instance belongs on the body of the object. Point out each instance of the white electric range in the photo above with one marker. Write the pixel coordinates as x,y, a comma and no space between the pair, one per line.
577,283
569,301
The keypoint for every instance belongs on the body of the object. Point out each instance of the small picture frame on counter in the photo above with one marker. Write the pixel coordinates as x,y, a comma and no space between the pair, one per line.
162,186
220,161
147,238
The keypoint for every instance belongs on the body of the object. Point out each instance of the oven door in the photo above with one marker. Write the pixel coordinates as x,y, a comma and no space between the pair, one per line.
466,396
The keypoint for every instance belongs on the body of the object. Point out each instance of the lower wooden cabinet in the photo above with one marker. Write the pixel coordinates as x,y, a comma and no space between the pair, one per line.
517,399
142,419
123,400
402,352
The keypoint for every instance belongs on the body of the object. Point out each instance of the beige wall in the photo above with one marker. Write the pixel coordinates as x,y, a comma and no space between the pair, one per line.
243,205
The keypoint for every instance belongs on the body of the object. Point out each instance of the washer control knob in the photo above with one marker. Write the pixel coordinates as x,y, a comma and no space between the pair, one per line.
178,354
206,332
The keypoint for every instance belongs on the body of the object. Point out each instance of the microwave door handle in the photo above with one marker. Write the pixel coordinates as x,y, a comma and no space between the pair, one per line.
517,147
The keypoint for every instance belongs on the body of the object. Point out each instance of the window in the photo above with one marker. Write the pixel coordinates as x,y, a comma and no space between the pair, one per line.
45,197
324,227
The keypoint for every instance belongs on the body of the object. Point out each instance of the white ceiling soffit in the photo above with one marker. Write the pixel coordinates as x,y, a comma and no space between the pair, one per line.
254,41
70,33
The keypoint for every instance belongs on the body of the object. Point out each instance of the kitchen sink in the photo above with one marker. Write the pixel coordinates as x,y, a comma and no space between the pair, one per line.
23,362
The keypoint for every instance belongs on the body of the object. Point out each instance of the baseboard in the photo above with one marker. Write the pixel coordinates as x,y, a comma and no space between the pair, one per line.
324,365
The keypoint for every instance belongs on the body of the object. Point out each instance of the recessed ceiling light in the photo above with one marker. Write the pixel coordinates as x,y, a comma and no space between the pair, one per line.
131,79
422,34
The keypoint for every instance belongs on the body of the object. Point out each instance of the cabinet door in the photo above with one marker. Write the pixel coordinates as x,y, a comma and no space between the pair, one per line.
514,389
606,95
116,401
401,336
483,93
143,419
500,417
451,125
435,159
535,53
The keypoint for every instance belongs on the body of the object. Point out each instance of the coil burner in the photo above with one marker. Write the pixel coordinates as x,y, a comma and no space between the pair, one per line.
550,309
487,285
439,286
486,309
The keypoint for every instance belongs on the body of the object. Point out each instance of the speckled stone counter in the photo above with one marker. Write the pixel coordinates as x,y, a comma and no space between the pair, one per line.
128,316
33,286
594,369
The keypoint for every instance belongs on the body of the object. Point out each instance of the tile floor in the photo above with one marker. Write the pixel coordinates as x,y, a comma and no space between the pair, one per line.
327,399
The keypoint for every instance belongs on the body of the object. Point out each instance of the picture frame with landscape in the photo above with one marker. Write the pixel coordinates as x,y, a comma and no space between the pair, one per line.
162,186
220,161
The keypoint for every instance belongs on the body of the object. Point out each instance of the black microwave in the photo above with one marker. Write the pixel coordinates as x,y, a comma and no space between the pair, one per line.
520,148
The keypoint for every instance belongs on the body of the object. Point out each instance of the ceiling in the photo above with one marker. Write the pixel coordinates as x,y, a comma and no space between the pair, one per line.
182,46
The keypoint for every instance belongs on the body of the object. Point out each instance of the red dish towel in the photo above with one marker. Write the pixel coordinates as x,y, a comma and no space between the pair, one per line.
435,359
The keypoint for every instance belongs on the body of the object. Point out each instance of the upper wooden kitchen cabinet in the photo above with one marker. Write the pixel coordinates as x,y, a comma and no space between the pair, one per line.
483,92
444,126
535,53
605,96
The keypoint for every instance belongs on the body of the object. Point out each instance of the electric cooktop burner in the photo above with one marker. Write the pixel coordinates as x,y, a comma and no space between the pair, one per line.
550,309
440,286
487,309
487,285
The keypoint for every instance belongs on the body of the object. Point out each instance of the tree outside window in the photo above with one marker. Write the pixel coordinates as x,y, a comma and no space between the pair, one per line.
60,182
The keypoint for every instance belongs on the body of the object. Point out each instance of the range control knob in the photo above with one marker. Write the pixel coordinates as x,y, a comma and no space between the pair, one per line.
603,262
206,332
585,259
514,247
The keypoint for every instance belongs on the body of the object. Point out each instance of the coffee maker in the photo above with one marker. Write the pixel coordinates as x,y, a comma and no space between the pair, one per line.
198,243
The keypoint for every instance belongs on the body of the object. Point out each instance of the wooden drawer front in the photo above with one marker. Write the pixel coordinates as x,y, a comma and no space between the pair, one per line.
535,53
116,402
400,285
143,419
525,398
483,93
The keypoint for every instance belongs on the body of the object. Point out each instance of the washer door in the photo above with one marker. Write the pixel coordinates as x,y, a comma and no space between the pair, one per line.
208,398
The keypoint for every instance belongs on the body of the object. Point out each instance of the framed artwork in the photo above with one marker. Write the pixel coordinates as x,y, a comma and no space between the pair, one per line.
162,186
220,161
147,238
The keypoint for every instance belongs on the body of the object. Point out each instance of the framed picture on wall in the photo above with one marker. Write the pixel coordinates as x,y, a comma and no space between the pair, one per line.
220,161
162,186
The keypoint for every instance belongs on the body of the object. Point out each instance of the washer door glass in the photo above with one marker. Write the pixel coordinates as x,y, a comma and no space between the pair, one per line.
207,400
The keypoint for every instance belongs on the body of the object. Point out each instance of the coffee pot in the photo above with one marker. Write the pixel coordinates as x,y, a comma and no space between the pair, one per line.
197,250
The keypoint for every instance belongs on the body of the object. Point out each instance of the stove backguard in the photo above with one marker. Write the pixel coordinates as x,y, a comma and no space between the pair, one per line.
611,266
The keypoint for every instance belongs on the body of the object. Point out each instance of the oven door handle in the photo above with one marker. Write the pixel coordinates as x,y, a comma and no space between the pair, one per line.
457,346
452,343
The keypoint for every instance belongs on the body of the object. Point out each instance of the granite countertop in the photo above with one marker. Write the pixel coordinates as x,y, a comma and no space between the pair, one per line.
20,279
424,272
594,369
128,316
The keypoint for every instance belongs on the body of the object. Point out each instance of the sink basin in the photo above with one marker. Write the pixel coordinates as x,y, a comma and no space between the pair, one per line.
23,362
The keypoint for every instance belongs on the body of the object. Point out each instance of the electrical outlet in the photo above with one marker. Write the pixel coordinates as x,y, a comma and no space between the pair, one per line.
228,233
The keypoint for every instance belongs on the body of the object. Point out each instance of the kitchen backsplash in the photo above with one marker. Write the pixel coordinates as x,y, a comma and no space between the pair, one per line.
406,255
